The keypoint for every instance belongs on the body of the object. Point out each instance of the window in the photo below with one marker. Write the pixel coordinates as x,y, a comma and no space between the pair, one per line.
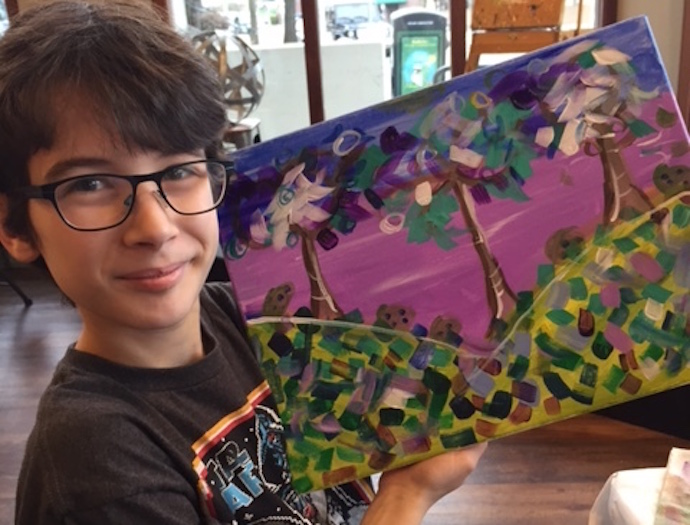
357,54
264,42
4,21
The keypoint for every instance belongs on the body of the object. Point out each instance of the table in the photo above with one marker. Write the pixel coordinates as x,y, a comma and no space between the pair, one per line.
553,474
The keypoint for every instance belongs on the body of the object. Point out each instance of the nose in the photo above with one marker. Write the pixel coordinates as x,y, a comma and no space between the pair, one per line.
151,220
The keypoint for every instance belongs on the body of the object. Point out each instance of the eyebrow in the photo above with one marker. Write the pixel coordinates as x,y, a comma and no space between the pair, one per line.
59,168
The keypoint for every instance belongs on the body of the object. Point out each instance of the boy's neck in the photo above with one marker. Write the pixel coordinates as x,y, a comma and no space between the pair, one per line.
170,347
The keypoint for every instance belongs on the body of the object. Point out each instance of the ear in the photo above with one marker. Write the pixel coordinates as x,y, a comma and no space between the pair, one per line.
21,249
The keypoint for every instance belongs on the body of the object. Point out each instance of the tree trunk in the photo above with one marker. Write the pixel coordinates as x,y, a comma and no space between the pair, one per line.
323,305
193,9
501,299
619,190
289,19
254,31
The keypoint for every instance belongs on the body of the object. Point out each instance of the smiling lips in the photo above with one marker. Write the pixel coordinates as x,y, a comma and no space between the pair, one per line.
155,279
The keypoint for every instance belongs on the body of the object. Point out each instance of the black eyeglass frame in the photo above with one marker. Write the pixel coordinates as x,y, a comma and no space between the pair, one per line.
47,191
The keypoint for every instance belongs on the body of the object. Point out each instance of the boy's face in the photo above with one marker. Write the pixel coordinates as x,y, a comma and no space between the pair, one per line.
142,275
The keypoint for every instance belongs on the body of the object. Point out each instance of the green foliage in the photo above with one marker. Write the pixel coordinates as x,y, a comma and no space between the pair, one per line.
397,202
432,222
512,191
586,60
366,167
506,149
640,128
665,119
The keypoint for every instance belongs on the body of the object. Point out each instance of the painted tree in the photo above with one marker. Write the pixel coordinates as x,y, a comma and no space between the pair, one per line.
253,23
586,99
193,9
462,153
289,206
290,34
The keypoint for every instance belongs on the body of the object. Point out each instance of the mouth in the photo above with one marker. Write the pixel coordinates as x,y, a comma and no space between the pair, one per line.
152,273
155,279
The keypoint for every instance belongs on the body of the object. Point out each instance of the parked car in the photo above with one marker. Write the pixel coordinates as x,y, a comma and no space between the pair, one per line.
358,20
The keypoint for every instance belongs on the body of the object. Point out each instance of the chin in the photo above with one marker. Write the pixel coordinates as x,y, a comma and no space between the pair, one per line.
162,308
160,318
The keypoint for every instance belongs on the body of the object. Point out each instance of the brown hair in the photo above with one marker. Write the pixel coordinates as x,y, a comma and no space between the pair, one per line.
145,82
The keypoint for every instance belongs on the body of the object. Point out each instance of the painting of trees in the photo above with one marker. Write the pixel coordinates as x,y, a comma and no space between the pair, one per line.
586,99
429,167
443,204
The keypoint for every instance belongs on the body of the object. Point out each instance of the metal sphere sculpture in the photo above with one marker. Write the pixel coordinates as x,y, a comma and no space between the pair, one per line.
239,69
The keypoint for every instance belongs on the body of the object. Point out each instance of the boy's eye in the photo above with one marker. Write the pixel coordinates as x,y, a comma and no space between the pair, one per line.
183,172
85,185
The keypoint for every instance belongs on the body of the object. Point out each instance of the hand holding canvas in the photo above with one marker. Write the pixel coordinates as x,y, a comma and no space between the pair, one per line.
407,493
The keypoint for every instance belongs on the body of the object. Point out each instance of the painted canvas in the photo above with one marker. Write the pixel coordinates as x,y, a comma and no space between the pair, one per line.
482,257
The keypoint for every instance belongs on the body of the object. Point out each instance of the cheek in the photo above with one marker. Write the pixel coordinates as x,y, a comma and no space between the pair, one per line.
205,228
66,252
70,258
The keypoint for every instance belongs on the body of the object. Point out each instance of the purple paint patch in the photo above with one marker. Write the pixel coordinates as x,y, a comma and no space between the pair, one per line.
296,422
416,444
647,267
361,397
329,424
308,376
406,384
610,296
618,338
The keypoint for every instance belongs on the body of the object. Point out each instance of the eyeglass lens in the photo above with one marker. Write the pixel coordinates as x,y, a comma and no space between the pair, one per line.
101,201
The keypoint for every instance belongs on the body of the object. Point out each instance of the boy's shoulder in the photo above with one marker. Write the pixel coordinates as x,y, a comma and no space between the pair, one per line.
74,424
83,415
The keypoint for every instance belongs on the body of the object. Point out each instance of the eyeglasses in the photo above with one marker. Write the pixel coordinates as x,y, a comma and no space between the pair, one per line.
101,201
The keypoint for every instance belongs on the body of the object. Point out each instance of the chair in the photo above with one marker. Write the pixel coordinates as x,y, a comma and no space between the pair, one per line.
5,277
516,26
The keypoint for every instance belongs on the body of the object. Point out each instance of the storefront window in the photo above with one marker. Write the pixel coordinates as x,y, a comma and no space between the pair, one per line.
357,50
265,68
369,33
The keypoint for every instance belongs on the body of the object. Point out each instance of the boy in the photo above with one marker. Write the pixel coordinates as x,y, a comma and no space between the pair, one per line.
110,170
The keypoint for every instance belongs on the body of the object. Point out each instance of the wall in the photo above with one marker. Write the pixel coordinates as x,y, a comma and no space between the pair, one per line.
666,20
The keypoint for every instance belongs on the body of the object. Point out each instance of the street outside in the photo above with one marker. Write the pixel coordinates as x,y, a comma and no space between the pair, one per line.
271,28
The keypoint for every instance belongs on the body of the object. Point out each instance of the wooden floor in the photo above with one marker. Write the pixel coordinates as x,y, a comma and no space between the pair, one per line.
544,476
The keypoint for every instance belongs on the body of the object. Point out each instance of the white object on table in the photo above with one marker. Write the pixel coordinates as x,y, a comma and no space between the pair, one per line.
629,497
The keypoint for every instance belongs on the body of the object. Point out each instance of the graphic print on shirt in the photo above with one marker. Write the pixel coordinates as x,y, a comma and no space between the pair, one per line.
242,467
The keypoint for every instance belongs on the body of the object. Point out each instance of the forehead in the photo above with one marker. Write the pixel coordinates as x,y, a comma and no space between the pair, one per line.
80,122
79,131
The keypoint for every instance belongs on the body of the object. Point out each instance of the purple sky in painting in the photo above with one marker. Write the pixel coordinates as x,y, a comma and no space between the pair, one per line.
368,269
